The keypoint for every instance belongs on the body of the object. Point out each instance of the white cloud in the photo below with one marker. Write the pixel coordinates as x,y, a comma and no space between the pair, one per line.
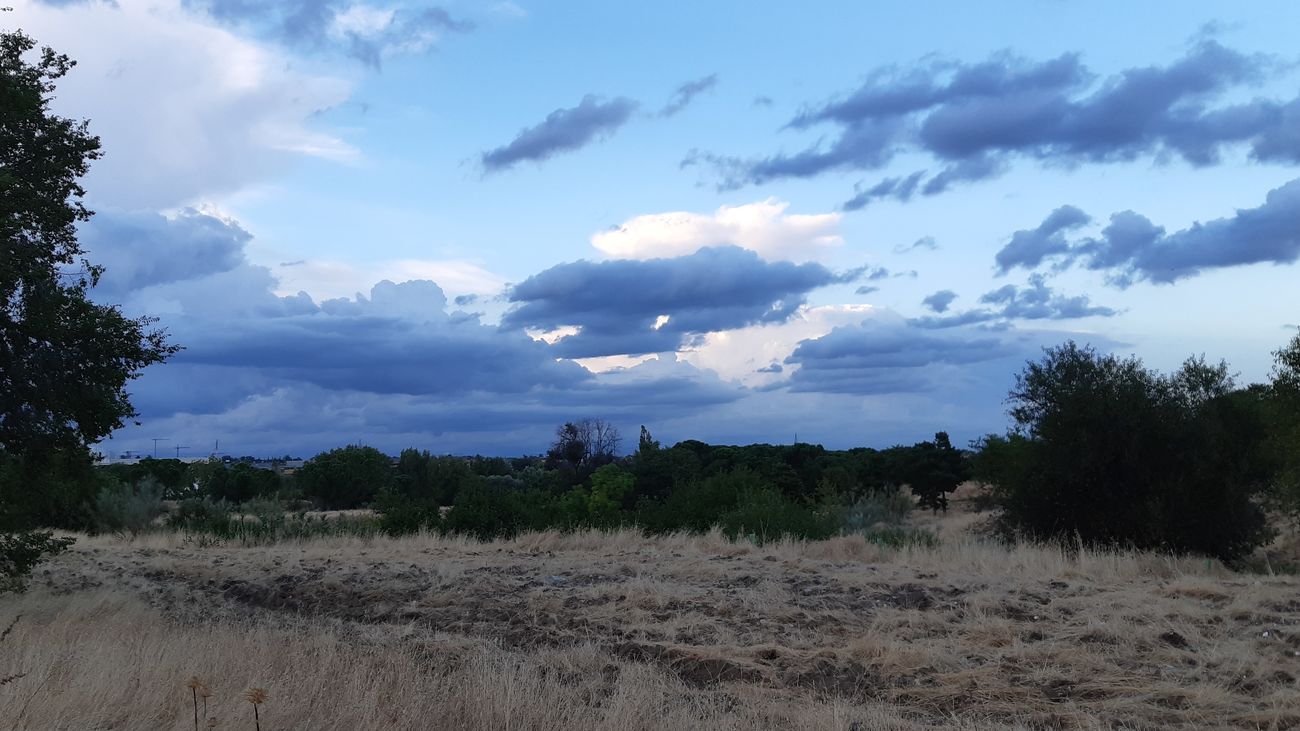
361,20
325,279
763,227
739,354
185,110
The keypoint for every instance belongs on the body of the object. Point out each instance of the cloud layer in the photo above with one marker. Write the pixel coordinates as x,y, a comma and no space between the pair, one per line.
632,307
223,112
1132,248
368,33
974,119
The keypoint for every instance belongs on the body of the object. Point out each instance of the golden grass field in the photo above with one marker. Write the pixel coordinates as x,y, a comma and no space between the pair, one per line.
622,631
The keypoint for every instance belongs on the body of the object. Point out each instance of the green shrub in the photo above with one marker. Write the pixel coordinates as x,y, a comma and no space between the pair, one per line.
888,507
400,514
765,514
344,478
894,536
129,509
19,554
487,512
1109,452
202,515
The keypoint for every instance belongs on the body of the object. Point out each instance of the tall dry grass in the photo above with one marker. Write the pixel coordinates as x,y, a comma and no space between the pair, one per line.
623,630
109,662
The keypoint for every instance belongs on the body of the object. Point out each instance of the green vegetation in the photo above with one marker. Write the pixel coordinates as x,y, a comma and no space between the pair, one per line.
1106,451
64,360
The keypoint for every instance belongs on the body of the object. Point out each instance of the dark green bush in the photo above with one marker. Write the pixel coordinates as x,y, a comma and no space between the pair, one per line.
202,515
1108,452
19,554
764,514
487,512
400,514
347,477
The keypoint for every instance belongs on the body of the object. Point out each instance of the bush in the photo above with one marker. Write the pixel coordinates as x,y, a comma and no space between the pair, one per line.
238,483
19,554
888,507
764,514
400,514
129,509
1283,414
487,512
202,515
894,536
344,478
1109,452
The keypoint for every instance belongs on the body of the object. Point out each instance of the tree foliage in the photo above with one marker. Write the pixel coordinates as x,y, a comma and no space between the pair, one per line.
1283,413
1107,451
64,359
347,477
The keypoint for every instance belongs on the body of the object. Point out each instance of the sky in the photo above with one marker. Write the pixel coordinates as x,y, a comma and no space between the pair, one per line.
456,226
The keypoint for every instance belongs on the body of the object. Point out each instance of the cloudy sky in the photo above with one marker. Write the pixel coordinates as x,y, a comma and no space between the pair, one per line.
455,226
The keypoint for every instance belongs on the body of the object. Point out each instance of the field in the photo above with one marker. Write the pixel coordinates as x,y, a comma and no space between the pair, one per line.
620,630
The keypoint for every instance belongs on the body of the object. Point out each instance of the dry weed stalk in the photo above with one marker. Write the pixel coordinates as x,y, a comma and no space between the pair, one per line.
193,684
256,696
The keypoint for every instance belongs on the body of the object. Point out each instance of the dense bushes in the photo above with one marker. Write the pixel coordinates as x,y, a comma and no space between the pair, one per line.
1107,451
347,477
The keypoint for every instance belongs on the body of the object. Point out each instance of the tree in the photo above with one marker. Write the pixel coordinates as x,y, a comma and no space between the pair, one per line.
1109,452
347,477
65,360
932,470
1283,414
582,446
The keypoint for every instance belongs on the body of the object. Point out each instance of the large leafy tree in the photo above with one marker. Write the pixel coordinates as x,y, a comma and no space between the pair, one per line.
65,359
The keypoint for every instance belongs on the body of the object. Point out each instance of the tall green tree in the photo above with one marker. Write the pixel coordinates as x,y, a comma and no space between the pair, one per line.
65,360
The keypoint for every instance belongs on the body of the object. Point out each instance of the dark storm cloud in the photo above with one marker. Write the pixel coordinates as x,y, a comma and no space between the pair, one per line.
313,25
686,93
563,130
939,301
1037,301
619,305
976,118
139,249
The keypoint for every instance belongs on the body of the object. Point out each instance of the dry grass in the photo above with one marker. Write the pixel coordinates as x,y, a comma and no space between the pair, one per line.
620,630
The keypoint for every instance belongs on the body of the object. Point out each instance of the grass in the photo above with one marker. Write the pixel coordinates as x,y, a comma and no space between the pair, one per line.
617,629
